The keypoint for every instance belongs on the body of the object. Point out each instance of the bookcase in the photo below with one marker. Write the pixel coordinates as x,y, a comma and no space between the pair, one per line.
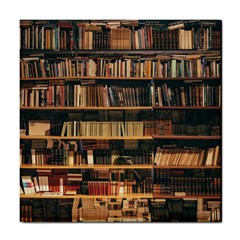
120,121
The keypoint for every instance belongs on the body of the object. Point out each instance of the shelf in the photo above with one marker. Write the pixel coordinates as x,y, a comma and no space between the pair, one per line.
86,108
187,167
184,137
188,107
87,166
109,166
183,197
26,137
77,78
116,52
133,195
118,108
186,78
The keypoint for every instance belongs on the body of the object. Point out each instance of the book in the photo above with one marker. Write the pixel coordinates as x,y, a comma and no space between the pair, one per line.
39,127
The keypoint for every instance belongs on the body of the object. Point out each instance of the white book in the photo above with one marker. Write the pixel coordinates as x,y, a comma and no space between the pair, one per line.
35,180
90,157
33,156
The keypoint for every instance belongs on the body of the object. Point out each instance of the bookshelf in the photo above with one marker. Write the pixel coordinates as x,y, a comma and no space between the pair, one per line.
120,121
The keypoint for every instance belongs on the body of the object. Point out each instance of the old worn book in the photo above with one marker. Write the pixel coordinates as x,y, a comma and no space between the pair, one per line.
39,127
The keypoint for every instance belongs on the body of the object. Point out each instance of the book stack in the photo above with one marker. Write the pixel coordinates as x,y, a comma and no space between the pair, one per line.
135,210
115,210
94,210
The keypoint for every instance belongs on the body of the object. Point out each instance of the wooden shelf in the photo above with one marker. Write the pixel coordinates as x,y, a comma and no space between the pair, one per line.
86,108
184,137
188,107
186,78
26,137
39,53
183,197
87,166
133,195
77,78
111,166
118,108
187,167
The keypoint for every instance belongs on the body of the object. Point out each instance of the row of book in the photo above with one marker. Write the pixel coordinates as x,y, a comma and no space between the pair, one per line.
103,36
195,65
189,186
187,183
56,182
145,128
120,210
99,95
103,95
46,210
117,188
187,156
81,128
185,210
59,156
195,94
111,210
163,156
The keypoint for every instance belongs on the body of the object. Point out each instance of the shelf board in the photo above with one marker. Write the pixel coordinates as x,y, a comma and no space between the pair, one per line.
133,195
77,78
87,166
27,137
186,78
112,166
185,197
117,52
86,108
187,167
118,108
188,107
184,137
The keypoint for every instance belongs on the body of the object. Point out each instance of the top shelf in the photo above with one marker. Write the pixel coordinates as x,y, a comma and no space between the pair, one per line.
117,52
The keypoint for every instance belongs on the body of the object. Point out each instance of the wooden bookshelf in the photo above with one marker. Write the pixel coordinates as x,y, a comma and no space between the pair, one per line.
179,91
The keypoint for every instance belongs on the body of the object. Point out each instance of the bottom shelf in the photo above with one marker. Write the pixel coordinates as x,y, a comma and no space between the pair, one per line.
127,208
